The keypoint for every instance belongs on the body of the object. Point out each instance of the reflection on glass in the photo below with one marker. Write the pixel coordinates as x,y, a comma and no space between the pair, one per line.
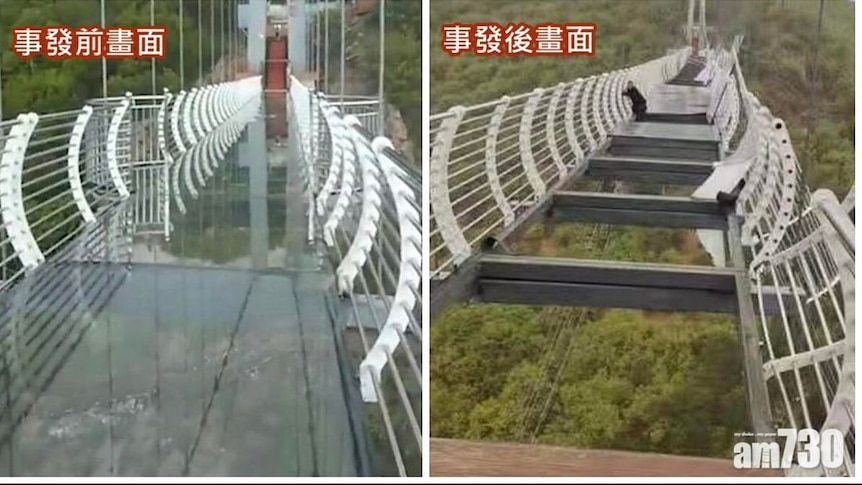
216,351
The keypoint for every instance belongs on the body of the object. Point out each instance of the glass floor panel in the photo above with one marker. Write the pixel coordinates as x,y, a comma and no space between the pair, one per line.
211,352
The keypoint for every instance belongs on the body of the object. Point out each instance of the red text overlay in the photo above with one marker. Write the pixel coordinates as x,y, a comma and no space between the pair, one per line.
63,42
493,39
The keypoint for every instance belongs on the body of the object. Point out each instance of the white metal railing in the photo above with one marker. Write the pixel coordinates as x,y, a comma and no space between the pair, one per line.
491,161
800,257
61,172
365,108
849,202
367,204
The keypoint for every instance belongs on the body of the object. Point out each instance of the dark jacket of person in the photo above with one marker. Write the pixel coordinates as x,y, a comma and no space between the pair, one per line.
637,98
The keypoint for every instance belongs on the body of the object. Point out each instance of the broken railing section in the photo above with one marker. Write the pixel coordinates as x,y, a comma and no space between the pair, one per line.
59,172
492,161
798,246
725,98
367,204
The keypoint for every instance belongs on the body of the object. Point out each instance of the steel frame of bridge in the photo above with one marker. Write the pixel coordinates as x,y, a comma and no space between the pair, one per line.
783,257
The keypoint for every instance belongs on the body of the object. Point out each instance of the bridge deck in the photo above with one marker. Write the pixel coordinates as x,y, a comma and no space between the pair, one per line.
211,354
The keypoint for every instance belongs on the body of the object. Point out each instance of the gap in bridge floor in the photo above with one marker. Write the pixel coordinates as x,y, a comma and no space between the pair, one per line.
612,243
599,379
615,242
586,184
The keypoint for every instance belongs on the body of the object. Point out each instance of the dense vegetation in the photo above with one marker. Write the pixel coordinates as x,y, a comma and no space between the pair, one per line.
778,58
648,381
402,75
45,85
48,85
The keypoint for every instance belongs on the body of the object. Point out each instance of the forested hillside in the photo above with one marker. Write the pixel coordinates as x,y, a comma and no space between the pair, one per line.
43,85
647,381
402,76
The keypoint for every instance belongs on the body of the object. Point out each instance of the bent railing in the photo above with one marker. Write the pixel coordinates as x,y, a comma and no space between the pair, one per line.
800,256
61,172
365,202
491,161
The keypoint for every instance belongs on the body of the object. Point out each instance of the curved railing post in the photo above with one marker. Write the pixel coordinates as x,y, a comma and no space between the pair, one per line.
345,194
197,112
849,202
551,129
369,217
207,118
599,95
586,93
619,113
441,204
525,139
188,117
74,167
336,128
15,222
164,177
608,119
569,119
112,148
785,177
409,274
175,121
491,160
219,105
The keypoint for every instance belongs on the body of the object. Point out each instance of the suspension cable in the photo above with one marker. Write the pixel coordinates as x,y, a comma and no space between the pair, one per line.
212,40
325,52
104,61
200,46
381,129
343,29
182,51
153,60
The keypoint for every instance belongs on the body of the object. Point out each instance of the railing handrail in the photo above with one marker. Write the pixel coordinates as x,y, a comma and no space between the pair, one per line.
376,244
827,204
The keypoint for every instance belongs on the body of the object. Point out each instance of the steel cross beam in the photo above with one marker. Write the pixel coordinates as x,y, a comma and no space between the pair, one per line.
530,280
613,284
639,210
667,172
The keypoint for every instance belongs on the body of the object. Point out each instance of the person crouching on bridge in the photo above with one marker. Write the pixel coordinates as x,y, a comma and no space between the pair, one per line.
638,101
